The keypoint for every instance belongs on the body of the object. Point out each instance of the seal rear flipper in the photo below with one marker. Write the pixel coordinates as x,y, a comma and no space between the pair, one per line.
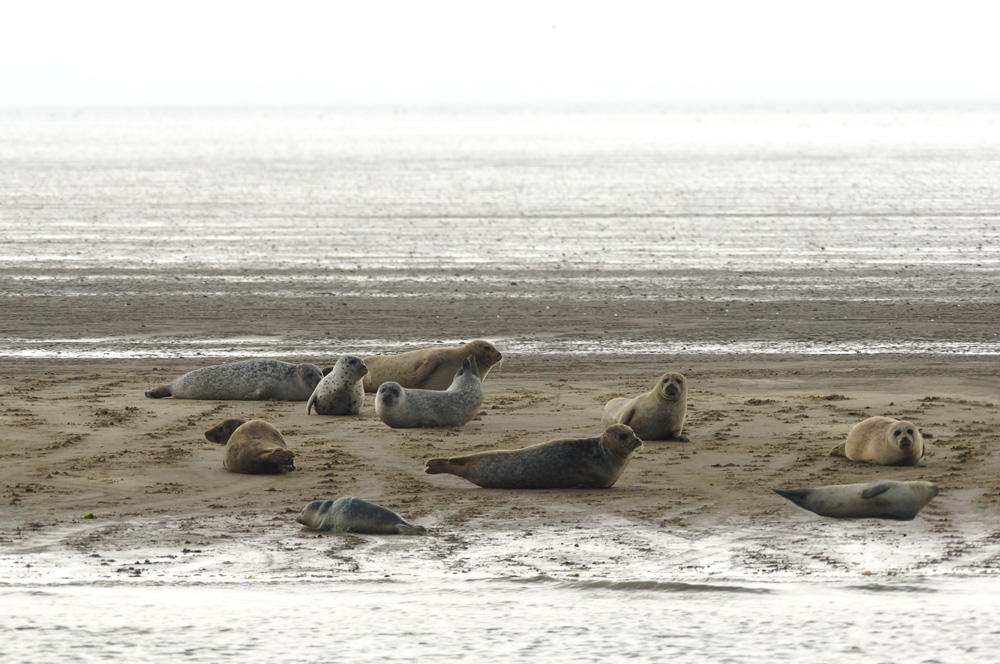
409,529
159,392
839,450
311,403
797,496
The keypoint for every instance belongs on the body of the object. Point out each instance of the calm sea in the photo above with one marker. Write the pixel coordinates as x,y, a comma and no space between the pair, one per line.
904,202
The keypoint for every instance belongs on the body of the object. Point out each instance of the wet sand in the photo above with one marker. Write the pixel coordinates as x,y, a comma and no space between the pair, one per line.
80,439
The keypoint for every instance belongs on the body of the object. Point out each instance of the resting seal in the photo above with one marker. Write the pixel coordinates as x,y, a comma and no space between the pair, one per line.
340,392
249,380
883,499
353,515
884,441
253,447
401,408
428,368
595,462
657,414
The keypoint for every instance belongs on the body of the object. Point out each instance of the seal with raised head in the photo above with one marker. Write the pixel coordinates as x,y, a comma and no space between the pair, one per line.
401,408
657,414
353,515
340,392
249,380
254,447
595,463
884,441
882,499
428,368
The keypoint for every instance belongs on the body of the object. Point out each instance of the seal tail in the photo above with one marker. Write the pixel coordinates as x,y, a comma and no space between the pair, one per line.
797,496
311,403
839,450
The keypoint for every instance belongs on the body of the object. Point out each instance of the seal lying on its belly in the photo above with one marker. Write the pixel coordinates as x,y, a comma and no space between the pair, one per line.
595,462
249,380
353,515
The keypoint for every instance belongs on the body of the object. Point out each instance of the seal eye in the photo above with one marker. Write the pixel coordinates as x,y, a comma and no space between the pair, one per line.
909,431
896,432
680,381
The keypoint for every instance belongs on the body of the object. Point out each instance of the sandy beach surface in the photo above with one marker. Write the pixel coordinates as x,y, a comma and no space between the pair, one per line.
81,439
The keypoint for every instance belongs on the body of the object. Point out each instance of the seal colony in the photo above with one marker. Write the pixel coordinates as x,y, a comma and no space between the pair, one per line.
257,447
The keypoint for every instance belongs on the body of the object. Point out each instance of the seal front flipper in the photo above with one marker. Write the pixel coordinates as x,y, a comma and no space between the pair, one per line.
873,491
626,415
159,392
424,371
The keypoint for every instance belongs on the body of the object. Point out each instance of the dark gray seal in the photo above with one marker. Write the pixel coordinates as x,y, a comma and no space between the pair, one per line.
882,499
353,515
595,462
254,447
340,392
401,408
249,380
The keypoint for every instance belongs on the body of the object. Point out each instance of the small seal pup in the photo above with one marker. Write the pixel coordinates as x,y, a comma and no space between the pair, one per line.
401,408
882,499
884,441
428,368
249,380
254,447
340,392
657,414
595,462
353,515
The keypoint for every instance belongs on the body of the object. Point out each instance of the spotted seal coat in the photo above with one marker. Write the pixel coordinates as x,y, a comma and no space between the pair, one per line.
249,380
340,392
402,408
354,515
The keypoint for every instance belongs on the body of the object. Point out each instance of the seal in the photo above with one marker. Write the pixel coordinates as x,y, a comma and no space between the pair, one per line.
884,441
254,447
249,380
340,392
882,499
428,368
401,408
353,515
595,462
657,414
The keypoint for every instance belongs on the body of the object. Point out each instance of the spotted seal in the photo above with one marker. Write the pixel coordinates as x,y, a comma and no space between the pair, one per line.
402,408
595,462
340,392
428,368
883,441
353,515
882,499
657,414
249,380
254,447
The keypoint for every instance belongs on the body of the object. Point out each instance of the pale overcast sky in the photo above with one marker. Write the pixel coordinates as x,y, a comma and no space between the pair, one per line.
333,52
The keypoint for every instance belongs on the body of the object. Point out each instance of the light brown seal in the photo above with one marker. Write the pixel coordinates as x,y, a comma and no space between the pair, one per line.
656,415
882,499
353,515
249,380
402,408
340,392
595,462
253,447
428,368
884,441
